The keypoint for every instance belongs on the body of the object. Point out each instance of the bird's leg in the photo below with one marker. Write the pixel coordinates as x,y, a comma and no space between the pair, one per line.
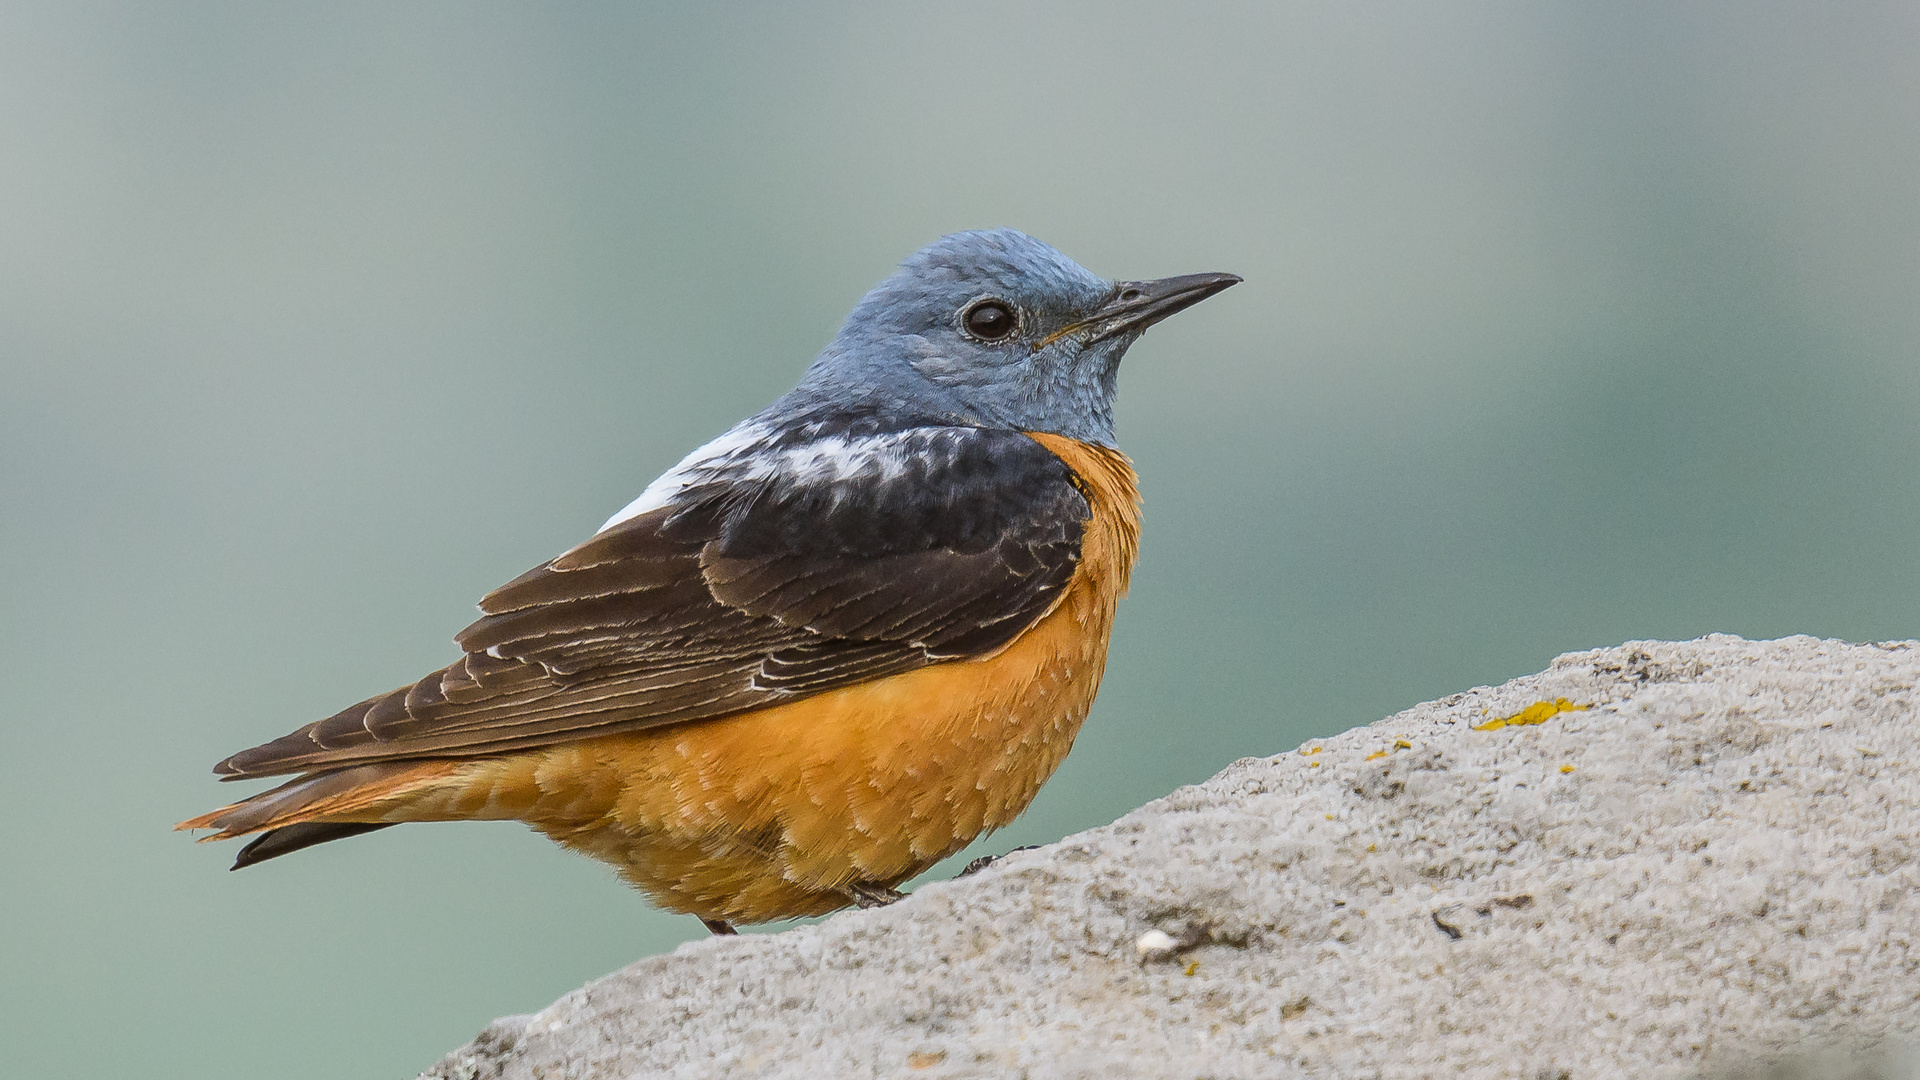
868,895
985,861
718,927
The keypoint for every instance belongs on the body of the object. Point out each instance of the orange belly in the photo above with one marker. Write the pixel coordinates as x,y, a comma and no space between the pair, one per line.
770,814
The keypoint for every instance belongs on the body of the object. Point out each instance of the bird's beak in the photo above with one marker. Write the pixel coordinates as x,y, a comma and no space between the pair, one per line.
1137,305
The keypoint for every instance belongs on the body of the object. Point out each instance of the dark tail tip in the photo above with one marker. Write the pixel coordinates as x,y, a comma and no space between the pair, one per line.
291,838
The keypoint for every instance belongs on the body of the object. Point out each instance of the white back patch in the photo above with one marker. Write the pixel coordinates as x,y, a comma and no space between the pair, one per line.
710,458
741,456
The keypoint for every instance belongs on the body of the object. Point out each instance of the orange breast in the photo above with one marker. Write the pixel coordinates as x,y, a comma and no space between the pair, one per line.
765,815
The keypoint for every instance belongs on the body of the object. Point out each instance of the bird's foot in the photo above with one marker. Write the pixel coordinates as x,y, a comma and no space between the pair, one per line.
985,861
868,895
718,927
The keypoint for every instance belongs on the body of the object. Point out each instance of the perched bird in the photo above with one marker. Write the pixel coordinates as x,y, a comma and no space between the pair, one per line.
825,651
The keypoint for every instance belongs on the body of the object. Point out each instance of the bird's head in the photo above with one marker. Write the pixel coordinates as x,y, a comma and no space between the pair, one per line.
998,330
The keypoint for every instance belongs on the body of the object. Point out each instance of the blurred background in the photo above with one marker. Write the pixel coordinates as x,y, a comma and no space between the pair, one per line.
1563,325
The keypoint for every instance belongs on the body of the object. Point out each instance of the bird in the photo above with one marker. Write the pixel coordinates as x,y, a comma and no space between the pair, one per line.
828,649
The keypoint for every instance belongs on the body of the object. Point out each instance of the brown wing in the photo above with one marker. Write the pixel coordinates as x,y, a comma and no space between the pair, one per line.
747,591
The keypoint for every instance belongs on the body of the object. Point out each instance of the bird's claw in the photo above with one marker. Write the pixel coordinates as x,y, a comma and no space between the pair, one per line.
866,895
985,861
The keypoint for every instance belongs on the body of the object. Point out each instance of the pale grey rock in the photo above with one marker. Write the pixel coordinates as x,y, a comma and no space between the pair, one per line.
1711,863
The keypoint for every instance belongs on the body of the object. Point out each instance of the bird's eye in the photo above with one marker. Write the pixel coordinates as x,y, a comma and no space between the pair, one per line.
990,320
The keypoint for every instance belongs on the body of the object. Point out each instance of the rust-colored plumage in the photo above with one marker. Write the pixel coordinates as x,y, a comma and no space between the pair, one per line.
718,788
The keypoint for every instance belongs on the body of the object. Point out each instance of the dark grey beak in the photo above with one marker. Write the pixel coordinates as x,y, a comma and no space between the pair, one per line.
1137,305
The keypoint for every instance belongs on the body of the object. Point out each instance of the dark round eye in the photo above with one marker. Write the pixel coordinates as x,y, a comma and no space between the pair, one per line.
990,320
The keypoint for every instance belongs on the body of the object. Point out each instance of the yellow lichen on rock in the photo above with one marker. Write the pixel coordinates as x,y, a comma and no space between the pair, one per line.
1536,713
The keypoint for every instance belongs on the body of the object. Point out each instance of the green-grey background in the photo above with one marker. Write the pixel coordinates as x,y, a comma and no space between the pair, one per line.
1563,324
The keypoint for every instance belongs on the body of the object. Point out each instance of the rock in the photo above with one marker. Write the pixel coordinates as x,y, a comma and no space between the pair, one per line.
1658,859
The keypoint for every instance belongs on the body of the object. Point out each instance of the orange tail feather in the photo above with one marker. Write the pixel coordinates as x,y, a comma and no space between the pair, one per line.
346,795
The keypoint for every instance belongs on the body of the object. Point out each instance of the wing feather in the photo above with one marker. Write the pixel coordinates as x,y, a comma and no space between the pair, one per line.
752,587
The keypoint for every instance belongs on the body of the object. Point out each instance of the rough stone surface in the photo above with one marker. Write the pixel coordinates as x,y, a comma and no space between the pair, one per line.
1710,863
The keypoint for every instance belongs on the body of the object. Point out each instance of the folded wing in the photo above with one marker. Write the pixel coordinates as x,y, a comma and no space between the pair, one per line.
789,569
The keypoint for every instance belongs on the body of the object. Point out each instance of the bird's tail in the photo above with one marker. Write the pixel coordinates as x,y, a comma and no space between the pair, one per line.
323,806
288,839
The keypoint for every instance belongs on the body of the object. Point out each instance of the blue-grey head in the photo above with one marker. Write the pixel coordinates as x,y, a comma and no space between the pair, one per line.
993,329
